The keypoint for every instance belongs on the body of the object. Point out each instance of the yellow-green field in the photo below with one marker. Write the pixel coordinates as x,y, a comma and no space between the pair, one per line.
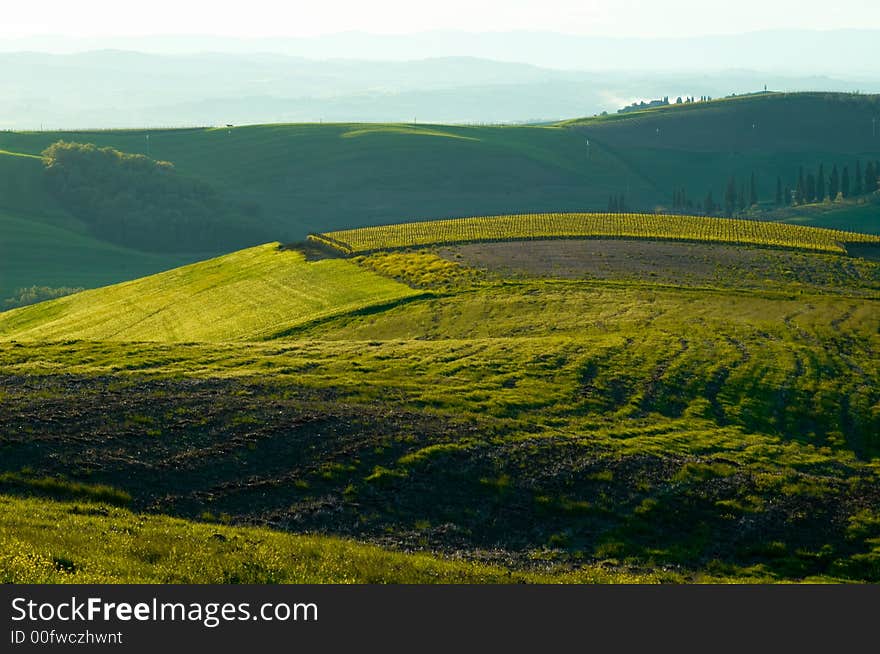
591,225
247,295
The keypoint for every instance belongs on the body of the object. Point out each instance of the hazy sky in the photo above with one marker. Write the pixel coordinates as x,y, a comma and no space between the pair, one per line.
295,18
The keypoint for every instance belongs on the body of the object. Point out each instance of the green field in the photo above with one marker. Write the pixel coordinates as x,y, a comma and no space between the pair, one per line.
654,424
592,225
35,253
249,295
858,216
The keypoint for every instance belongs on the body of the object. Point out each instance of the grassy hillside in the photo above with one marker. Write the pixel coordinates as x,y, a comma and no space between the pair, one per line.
772,122
33,252
300,178
266,292
860,216
699,146
307,177
42,541
43,245
252,294
296,179
316,177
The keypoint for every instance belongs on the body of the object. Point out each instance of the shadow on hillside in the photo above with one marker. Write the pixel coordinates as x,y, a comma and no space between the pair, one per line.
312,250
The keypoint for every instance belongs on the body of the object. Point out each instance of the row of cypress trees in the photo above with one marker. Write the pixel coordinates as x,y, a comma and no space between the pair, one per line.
836,185
810,188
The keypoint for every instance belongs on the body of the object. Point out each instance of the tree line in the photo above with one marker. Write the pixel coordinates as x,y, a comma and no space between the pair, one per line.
741,194
738,196
834,186
34,294
138,202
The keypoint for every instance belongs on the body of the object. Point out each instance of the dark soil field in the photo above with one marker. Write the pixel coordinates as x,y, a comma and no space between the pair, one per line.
665,262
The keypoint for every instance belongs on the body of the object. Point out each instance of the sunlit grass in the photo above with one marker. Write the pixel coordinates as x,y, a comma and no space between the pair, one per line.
247,295
43,541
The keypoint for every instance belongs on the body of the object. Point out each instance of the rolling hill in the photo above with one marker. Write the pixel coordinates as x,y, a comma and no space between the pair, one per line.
698,146
300,178
313,177
247,295
593,409
598,407
41,244
762,122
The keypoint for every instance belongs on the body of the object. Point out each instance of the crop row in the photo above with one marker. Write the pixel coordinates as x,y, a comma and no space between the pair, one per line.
591,225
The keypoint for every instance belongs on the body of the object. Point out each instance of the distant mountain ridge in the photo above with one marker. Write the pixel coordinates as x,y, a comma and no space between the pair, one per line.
120,89
838,52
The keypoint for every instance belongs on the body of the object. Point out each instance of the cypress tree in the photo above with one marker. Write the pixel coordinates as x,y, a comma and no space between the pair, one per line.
799,190
753,191
730,197
810,190
844,182
820,184
834,185
857,180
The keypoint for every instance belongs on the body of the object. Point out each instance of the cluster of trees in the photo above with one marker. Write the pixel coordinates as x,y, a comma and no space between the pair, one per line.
662,102
34,294
690,99
142,203
681,201
738,196
836,185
